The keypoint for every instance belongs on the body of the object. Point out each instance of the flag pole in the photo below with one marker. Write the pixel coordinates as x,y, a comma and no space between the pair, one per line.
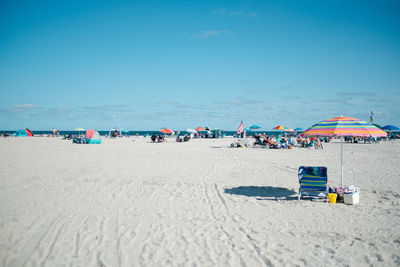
341,160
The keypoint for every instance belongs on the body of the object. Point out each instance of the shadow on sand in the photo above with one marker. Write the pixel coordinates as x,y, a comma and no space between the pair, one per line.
263,192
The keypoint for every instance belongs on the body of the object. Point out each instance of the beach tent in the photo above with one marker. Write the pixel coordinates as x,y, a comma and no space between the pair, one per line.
24,133
93,137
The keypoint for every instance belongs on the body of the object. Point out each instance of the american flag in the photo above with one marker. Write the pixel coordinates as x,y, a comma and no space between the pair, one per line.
240,129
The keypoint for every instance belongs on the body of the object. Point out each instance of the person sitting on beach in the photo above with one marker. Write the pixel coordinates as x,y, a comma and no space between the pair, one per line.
318,144
306,142
283,143
153,138
258,140
178,139
273,143
161,138
299,140
186,138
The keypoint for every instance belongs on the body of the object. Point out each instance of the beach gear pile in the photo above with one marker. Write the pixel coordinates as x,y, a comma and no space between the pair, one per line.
351,189
351,195
91,137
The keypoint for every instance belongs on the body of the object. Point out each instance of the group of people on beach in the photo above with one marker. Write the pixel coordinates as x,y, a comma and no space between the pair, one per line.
287,142
158,138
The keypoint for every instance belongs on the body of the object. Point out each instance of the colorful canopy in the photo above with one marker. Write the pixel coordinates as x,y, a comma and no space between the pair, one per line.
167,131
282,128
344,126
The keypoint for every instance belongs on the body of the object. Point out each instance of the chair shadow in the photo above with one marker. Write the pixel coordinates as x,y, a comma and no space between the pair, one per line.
263,192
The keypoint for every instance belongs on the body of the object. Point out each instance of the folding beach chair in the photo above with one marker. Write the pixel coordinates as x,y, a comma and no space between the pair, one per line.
313,182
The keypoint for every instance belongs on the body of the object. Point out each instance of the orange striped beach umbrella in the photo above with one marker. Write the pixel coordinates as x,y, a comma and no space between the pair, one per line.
167,131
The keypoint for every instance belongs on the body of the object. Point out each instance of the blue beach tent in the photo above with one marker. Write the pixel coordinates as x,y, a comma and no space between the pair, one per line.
24,133
20,133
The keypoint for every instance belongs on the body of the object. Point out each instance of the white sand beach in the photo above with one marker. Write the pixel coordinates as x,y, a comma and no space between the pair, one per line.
200,203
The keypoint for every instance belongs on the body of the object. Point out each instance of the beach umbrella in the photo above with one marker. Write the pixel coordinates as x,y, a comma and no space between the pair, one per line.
167,131
79,130
200,128
344,126
191,131
280,128
254,127
390,127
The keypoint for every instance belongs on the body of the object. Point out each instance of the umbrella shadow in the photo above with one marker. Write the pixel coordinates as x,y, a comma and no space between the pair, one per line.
263,192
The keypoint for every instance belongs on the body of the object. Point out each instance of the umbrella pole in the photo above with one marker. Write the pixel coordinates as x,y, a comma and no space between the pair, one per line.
341,160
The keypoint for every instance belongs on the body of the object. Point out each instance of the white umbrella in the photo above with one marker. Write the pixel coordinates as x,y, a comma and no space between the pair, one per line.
191,131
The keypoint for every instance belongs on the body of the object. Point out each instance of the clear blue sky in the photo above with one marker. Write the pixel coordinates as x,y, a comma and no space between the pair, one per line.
142,65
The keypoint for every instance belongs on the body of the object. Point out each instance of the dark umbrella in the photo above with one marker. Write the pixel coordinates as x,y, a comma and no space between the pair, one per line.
390,128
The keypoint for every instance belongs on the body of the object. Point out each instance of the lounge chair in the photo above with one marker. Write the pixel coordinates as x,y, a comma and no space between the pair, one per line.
241,142
259,142
313,182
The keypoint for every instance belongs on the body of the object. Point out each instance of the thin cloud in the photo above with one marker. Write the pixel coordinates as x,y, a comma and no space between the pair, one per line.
254,14
219,11
235,13
210,33
22,107
356,94
107,108
287,87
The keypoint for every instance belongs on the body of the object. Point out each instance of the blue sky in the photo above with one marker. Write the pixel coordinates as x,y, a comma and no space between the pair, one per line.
142,65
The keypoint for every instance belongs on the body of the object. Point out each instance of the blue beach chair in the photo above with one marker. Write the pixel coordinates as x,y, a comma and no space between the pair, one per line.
313,182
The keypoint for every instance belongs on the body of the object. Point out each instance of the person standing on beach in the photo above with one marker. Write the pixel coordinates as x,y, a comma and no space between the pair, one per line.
54,132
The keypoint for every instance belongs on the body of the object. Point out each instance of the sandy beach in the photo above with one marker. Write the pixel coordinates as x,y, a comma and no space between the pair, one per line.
199,203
